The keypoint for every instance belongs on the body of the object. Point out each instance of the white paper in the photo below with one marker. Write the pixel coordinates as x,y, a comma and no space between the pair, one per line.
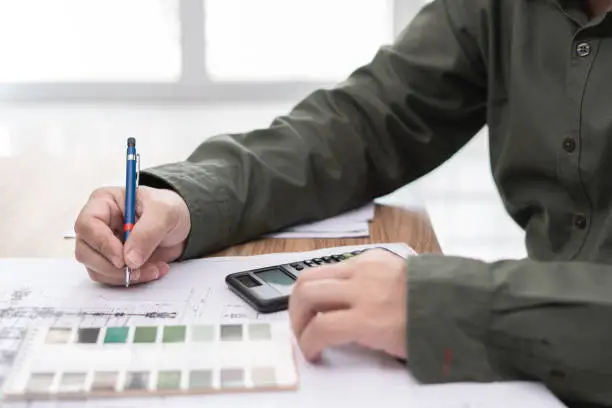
353,223
323,234
37,291
327,226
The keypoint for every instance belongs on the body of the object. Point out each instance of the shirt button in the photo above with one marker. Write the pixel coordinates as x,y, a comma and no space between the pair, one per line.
580,221
569,144
557,374
583,49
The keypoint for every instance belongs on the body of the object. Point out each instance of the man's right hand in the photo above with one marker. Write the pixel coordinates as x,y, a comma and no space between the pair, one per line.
158,238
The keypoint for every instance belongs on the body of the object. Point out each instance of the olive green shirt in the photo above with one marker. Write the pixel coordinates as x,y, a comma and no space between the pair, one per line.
538,73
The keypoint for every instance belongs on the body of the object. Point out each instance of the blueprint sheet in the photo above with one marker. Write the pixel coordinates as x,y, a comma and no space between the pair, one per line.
57,291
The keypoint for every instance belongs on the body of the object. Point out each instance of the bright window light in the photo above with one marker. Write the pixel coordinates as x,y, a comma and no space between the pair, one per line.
89,40
273,40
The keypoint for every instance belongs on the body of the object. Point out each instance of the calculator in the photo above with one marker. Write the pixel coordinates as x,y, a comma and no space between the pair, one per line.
267,289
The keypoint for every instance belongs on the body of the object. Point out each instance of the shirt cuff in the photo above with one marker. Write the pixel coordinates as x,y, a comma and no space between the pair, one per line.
448,319
207,202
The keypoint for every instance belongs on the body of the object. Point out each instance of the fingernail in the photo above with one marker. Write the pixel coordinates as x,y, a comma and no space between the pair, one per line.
164,268
134,258
150,272
135,274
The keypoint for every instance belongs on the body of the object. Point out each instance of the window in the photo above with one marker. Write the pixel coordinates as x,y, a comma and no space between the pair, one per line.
281,40
89,41
198,49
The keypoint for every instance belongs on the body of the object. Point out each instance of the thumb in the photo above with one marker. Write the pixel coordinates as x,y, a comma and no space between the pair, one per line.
147,234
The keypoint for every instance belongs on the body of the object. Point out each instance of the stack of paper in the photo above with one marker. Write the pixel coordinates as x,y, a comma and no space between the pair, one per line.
353,223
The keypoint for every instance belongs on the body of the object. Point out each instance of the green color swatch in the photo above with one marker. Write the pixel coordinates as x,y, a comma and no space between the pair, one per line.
116,335
174,334
145,334
169,380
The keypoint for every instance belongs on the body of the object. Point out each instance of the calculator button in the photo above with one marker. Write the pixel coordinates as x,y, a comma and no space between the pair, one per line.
293,265
327,259
337,258
347,255
356,252
318,261
308,263
298,267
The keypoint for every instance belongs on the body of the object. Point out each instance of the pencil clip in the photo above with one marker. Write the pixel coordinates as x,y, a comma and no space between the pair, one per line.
137,169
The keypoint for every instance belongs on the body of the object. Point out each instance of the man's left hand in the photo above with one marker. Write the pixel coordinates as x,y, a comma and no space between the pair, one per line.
360,300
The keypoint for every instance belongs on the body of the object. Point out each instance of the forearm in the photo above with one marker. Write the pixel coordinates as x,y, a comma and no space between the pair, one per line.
313,163
414,105
543,321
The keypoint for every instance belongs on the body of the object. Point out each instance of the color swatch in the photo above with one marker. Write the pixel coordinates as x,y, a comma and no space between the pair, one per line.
58,335
203,333
120,361
201,379
231,332
174,334
169,380
116,335
145,334
88,335
105,381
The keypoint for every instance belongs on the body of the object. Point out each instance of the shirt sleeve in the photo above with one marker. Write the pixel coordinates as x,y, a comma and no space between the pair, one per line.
509,320
417,102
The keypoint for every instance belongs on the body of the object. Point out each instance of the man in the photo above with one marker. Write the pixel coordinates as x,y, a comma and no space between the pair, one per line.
538,73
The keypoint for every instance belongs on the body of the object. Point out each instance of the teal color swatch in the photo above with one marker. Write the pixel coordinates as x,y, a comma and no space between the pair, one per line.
116,335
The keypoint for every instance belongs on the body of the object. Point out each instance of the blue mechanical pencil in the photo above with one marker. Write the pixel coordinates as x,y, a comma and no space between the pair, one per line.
131,183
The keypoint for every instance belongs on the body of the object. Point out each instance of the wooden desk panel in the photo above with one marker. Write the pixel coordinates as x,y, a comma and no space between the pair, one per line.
40,198
390,224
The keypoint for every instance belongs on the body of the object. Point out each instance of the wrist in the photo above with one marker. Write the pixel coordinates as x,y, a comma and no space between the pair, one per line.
184,221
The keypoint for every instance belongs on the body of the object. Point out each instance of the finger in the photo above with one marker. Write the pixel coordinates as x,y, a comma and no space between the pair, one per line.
333,271
309,298
148,233
93,260
149,272
166,254
94,226
107,204
328,329
105,279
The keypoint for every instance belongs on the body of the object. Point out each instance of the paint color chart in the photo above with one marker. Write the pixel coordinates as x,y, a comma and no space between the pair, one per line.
81,362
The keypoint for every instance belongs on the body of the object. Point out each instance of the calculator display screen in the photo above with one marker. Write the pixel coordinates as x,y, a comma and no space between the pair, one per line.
275,277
